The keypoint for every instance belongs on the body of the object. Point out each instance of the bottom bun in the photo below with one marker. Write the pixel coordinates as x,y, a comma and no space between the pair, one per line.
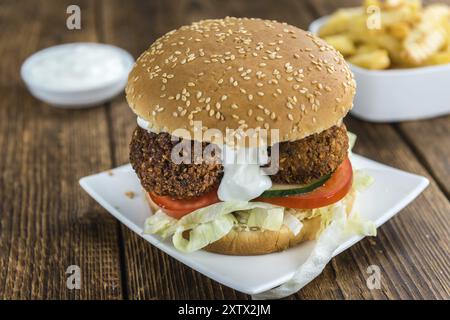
244,243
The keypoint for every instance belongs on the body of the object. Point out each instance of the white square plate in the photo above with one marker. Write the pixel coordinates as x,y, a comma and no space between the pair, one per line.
392,190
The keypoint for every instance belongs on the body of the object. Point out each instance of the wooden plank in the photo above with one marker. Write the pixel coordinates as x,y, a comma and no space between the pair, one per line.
430,141
402,242
47,222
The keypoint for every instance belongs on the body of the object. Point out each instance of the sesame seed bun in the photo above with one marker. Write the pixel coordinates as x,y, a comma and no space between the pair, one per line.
244,243
241,73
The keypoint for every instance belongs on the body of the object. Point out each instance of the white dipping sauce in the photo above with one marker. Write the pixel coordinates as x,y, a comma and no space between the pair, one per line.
77,67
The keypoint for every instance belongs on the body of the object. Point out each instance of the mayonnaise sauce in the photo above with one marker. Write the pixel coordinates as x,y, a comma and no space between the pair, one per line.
243,179
144,124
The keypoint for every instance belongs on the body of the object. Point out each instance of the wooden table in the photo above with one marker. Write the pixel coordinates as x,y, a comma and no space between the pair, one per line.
48,223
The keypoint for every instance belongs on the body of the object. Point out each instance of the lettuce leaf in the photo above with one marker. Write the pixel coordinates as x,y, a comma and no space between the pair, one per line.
351,141
356,225
293,223
268,219
160,224
211,223
203,234
361,180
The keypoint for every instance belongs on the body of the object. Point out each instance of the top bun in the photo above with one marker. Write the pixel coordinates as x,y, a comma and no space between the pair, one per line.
241,73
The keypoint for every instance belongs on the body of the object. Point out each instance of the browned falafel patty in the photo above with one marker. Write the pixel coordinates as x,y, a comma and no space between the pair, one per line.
305,160
300,162
150,156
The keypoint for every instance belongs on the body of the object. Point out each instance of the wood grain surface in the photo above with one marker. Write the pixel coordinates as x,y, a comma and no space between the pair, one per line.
48,223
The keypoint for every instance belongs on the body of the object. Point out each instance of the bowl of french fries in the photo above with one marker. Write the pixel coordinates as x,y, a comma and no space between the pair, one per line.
399,51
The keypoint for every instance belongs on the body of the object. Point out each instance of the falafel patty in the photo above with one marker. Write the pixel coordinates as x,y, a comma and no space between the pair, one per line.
150,156
308,159
300,162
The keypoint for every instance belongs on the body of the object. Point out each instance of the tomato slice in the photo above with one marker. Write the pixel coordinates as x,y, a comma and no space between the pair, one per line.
332,191
177,208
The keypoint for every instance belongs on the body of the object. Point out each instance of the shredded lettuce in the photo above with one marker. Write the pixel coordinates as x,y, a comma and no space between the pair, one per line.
361,180
161,224
351,141
268,219
293,223
356,225
203,234
211,223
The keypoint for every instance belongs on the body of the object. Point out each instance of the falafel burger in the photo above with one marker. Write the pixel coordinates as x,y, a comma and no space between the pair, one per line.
240,145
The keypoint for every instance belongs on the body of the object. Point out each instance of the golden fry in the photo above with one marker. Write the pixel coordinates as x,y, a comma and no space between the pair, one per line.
400,30
439,58
341,42
375,60
366,48
340,21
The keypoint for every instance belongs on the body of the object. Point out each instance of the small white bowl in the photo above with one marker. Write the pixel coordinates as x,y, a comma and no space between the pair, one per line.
77,95
399,94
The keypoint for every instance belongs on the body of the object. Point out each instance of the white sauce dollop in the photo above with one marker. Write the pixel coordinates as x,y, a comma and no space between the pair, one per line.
144,124
243,178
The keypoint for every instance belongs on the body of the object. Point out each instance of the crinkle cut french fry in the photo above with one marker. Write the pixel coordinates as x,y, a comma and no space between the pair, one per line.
429,36
402,14
340,21
375,60
341,42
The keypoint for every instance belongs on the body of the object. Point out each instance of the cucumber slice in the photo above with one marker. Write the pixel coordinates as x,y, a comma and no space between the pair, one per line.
284,190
